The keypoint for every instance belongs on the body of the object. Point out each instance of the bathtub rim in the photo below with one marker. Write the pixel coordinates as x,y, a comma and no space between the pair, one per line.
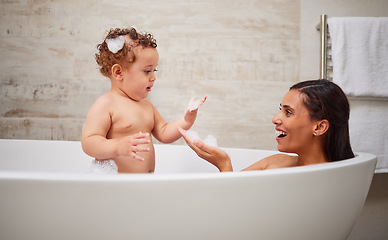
360,158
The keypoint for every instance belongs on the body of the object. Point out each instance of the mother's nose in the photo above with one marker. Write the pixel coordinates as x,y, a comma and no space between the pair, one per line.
276,119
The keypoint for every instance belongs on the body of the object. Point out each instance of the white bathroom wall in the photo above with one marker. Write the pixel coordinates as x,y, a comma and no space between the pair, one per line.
242,54
372,223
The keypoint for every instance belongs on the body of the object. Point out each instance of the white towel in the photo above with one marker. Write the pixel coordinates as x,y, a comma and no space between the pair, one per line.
368,128
360,55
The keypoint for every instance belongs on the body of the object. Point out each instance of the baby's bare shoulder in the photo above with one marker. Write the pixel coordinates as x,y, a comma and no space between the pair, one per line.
105,100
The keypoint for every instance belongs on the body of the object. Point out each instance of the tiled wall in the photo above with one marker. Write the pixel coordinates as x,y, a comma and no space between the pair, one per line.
242,54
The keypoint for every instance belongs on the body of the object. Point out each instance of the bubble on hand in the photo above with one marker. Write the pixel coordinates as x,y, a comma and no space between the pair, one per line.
194,105
209,140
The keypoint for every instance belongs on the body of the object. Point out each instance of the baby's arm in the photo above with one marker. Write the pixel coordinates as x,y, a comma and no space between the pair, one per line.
94,141
168,132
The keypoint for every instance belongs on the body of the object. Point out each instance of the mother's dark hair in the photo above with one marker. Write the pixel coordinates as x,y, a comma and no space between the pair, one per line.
326,100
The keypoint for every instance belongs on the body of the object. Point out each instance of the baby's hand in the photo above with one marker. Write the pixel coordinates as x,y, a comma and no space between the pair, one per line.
195,104
128,146
192,109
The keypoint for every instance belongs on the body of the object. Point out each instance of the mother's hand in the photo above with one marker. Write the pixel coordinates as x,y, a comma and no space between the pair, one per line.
213,155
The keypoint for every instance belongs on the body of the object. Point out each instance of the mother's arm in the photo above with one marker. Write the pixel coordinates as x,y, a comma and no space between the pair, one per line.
221,160
213,155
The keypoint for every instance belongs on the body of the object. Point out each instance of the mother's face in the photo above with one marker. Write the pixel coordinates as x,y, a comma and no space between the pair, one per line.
293,124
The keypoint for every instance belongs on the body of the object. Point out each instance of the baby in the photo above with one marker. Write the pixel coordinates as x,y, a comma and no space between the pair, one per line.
119,124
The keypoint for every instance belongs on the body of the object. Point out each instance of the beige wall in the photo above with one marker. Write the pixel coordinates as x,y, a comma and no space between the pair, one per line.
244,56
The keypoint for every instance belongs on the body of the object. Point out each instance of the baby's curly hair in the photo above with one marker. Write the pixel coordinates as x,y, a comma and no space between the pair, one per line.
106,59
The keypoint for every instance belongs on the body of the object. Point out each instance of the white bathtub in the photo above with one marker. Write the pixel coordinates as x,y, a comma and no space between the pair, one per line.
46,194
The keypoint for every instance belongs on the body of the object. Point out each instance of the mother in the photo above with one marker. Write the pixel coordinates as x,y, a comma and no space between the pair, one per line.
313,122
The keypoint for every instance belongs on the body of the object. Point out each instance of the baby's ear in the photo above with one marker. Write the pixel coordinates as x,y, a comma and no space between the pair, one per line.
117,72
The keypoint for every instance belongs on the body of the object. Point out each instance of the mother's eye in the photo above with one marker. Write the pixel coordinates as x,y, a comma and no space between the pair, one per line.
288,112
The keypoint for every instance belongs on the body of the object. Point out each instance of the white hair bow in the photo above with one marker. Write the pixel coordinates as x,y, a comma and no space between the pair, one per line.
115,44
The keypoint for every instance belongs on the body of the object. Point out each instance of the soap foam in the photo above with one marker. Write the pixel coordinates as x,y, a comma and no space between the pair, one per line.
194,105
209,140
103,167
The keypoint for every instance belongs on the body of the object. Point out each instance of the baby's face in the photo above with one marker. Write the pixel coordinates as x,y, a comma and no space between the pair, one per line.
139,76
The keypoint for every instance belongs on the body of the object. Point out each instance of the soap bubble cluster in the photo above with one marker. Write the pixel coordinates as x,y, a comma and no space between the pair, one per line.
103,167
209,140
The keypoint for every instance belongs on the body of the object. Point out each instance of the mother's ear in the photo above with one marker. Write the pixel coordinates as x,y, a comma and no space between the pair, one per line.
321,127
117,72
